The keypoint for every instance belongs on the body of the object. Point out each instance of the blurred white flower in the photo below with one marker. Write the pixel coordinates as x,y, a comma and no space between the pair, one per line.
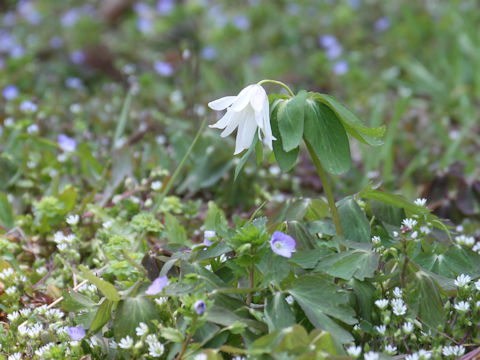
398,307
462,280
420,201
462,306
126,342
371,355
354,351
381,329
397,292
382,303
73,219
407,327
141,329
248,111
390,349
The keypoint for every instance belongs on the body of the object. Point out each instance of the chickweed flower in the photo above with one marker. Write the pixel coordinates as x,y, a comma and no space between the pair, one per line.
354,351
462,306
462,280
408,224
126,342
424,354
465,240
371,355
282,244
381,329
420,201
397,292
376,240
141,329
398,307
407,327
247,111
413,356
72,220
456,350
390,349
382,303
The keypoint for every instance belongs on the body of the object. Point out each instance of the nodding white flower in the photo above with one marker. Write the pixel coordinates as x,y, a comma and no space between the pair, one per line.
462,306
126,342
248,111
382,303
420,201
354,351
141,329
407,327
398,307
462,280
371,355
456,350
382,329
390,349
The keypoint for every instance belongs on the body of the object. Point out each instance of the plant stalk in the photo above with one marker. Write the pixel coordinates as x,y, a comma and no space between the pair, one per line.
276,82
326,187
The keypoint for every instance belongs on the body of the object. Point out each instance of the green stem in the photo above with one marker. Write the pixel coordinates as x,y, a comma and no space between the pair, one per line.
326,187
252,279
276,82
179,167
122,121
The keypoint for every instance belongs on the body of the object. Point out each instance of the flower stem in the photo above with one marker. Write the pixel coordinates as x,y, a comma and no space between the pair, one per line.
276,82
326,187
179,167
252,280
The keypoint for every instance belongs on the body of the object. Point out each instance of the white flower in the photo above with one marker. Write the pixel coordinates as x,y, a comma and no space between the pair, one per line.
161,300
126,342
476,247
465,240
54,314
62,247
73,219
397,292
141,329
462,306
248,111
390,349
354,351
398,307
11,290
424,354
156,185
15,356
43,349
382,329
407,327
477,284
376,240
200,357
414,235
289,300
456,350
425,230
371,355
6,273
409,223
462,280
155,348
413,356
25,312
420,201
13,316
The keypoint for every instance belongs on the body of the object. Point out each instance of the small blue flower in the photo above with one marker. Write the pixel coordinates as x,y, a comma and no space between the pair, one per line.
199,307
66,143
32,129
163,68
77,57
241,22
209,52
165,7
327,41
28,107
282,244
382,24
157,285
340,67
76,333
207,235
10,92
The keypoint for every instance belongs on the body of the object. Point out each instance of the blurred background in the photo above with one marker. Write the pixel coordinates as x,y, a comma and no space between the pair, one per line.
411,65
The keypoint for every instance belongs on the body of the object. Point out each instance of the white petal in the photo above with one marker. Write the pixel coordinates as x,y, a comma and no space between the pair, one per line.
232,125
243,98
224,121
246,132
222,103
258,97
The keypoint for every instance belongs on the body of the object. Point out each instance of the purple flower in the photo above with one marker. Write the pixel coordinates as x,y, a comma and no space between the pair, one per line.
17,51
32,129
66,143
28,107
165,7
10,92
334,51
2,63
74,83
282,244
144,25
327,41
76,333
163,68
382,24
340,67
56,42
199,307
157,285
209,52
70,18
77,57
207,235
241,22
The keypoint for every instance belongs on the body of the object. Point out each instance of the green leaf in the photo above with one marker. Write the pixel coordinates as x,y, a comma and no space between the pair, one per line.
245,157
352,124
7,216
130,313
321,299
426,299
327,136
278,314
354,223
172,334
68,197
105,287
175,231
350,263
365,294
291,120
74,301
286,160
102,316
387,213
